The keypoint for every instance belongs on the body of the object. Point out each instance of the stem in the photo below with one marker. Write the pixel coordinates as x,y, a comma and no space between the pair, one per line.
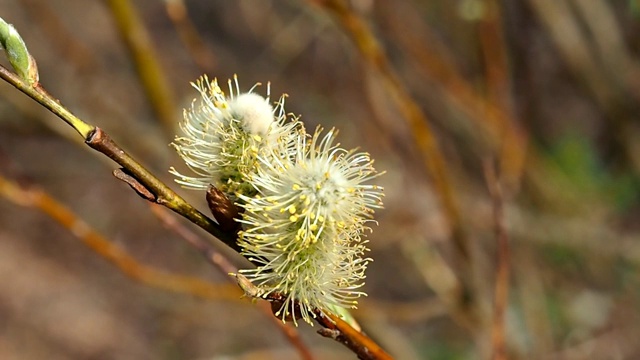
97,139
38,94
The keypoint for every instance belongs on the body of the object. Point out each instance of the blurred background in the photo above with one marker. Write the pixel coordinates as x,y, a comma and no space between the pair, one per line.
543,92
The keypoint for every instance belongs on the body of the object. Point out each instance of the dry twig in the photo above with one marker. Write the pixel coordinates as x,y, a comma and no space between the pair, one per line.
501,294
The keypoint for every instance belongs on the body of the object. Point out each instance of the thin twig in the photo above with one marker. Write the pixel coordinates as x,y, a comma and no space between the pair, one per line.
498,128
501,293
100,141
37,198
512,151
191,39
333,326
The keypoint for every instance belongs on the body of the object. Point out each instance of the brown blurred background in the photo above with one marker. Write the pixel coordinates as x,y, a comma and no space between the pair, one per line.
547,90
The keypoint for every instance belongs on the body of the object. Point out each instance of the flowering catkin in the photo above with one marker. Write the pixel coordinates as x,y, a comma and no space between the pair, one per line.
305,228
304,200
223,136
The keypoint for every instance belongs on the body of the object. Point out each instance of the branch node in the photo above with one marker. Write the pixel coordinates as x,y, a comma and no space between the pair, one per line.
124,175
329,333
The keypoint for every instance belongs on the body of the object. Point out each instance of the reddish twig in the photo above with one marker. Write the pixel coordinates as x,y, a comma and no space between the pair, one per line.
501,293
333,326
201,55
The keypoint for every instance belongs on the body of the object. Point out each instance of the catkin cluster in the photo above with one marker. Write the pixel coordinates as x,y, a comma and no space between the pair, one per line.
305,202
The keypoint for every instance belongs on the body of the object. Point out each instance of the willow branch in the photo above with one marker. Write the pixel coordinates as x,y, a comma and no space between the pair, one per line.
158,192
97,139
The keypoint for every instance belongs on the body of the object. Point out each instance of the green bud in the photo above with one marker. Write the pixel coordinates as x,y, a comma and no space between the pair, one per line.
19,58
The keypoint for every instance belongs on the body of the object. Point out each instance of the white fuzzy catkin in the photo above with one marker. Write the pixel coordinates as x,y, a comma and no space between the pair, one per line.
305,228
223,136
254,112
306,202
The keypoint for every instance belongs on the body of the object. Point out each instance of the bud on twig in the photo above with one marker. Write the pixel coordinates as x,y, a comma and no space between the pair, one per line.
223,210
23,64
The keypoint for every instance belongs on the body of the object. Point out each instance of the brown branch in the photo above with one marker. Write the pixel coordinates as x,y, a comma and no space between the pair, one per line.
501,293
359,343
163,195
333,326
512,142
37,198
